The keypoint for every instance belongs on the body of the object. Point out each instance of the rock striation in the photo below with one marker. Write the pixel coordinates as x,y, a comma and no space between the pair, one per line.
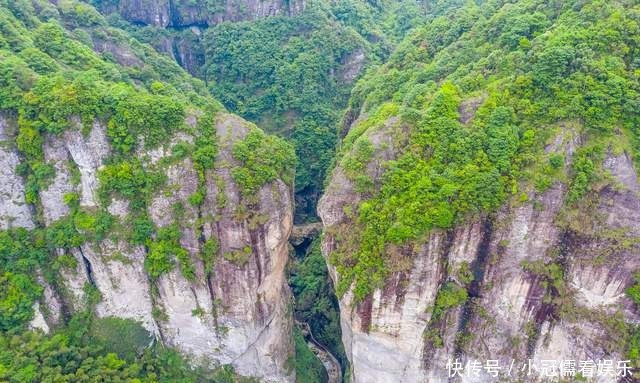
181,14
514,311
236,313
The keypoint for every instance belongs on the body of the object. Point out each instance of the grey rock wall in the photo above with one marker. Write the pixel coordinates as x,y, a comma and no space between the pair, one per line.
512,313
236,314
183,13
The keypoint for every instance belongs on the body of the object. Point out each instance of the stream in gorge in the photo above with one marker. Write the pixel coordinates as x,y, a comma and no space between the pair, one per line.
329,361
316,311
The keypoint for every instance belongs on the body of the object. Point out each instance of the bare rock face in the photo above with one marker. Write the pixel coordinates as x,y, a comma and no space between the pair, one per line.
353,65
188,20
14,211
164,13
237,313
115,268
514,311
233,311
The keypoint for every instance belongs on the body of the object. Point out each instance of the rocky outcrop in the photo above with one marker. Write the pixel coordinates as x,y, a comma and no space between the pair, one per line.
234,311
548,280
184,22
304,233
165,13
180,25
352,65
241,307
14,211
188,51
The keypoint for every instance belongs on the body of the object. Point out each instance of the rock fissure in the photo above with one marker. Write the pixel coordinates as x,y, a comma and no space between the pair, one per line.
476,94
87,268
474,290
436,327
208,273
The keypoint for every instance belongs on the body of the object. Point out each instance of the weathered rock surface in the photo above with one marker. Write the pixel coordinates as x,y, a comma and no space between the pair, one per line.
237,313
165,13
304,232
14,211
241,307
185,22
512,313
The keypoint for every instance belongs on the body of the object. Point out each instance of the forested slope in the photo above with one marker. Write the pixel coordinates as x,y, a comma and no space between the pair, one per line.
478,161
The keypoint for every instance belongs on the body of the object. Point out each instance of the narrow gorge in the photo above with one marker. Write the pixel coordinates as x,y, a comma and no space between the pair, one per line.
329,191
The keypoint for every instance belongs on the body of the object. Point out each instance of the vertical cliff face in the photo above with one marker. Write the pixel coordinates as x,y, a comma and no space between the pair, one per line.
232,309
515,311
128,192
165,13
473,214
241,307
15,212
187,21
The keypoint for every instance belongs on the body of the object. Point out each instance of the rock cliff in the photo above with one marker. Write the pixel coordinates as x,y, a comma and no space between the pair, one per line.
441,249
233,311
514,311
179,14
129,192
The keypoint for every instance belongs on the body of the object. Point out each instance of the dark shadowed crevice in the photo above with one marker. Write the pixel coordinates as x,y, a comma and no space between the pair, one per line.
547,310
478,268
364,309
87,268
437,326
301,249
